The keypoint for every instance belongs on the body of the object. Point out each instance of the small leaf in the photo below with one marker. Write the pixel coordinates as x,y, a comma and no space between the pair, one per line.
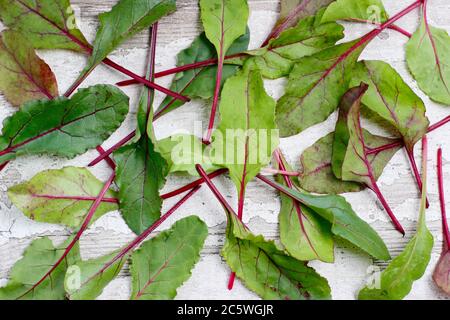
47,24
441,275
23,75
277,59
60,196
83,282
316,85
356,10
392,99
316,174
38,257
126,19
64,127
164,263
345,222
428,58
305,235
197,83
182,152
248,112
267,270
141,173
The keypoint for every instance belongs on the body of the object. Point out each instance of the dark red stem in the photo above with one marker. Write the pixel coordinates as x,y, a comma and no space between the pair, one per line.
114,148
445,227
108,160
416,172
77,237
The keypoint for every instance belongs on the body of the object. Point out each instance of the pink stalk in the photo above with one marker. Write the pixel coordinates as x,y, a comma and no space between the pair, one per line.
416,173
111,150
141,238
77,237
108,160
445,227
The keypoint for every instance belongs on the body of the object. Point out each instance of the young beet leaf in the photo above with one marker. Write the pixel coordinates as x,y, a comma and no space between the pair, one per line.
345,223
393,100
164,263
35,263
249,114
64,127
224,21
441,274
61,196
356,10
291,12
428,58
196,83
23,75
47,24
308,37
397,280
350,160
305,235
316,174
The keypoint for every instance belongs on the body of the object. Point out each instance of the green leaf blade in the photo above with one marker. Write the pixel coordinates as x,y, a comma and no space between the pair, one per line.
356,10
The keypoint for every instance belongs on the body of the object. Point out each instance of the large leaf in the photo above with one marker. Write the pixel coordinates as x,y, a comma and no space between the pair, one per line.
198,83
267,270
64,127
126,19
23,75
316,85
246,137
356,10
47,24
164,263
33,266
305,235
61,196
183,152
84,282
316,174
392,99
345,222
308,37
294,10
428,58
141,173
397,280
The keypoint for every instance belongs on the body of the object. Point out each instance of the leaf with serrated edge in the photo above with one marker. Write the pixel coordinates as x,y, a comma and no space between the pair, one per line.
141,173
47,24
247,112
356,10
316,174
305,235
164,263
392,99
55,196
35,263
64,127
23,75
316,85
428,58
268,270
310,36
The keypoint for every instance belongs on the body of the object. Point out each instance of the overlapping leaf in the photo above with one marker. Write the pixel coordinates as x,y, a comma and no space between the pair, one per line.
164,263
428,58
316,85
23,75
61,196
64,127
316,174
47,24
245,139
356,10
38,257
199,83
267,270
392,99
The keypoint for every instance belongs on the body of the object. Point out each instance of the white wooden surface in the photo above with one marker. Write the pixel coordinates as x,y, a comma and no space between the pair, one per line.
209,279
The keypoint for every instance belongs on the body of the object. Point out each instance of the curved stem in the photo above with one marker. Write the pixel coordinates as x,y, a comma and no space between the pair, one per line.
416,172
445,227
